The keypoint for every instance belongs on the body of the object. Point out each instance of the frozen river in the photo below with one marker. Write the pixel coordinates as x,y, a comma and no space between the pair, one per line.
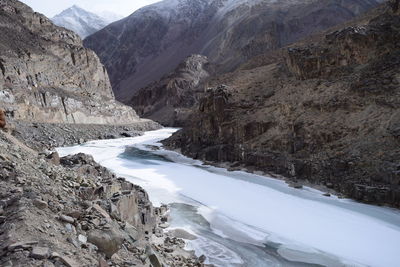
243,219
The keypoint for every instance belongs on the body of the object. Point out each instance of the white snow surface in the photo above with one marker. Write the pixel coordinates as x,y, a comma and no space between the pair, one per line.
258,209
83,22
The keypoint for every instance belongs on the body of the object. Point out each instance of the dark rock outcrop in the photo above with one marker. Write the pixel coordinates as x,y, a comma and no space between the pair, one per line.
169,101
325,111
46,75
150,43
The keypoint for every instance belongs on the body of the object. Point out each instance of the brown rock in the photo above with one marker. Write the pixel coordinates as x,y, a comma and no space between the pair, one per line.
69,262
2,119
103,263
108,241
102,212
54,158
64,259
40,204
67,219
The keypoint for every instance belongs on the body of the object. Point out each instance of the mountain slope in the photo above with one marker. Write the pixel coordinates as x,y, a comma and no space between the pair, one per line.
46,75
324,111
169,100
150,43
83,22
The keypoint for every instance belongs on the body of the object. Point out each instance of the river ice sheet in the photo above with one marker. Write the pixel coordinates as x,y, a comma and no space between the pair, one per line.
302,225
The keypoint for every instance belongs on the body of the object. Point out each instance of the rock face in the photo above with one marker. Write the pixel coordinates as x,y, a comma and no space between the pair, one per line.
46,75
170,100
65,214
150,43
82,22
325,111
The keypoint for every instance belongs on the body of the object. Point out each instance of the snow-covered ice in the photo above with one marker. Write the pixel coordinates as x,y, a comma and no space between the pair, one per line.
304,225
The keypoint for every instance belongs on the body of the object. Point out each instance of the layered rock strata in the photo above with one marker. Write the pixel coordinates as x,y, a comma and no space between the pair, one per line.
46,75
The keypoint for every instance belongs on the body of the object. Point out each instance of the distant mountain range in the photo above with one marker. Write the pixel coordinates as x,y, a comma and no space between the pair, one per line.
83,22
154,40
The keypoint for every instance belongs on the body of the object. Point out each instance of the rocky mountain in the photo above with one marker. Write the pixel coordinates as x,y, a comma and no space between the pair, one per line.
83,22
325,111
46,75
169,100
152,42
68,211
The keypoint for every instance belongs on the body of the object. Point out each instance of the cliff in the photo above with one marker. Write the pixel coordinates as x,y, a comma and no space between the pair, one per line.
170,100
46,75
322,111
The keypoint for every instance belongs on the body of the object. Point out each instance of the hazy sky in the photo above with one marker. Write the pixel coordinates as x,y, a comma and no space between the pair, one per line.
121,7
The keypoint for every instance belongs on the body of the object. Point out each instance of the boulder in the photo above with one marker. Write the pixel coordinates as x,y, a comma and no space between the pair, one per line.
155,262
108,241
132,232
40,253
54,158
67,219
103,263
39,204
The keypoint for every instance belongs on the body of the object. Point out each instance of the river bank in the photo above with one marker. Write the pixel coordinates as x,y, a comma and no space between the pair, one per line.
41,136
70,211
243,219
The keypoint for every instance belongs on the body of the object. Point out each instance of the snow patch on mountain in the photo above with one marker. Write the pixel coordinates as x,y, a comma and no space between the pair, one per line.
83,22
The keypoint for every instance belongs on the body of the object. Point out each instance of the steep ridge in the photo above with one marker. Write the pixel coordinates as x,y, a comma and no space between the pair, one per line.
48,76
153,41
82,22
324,112
169,100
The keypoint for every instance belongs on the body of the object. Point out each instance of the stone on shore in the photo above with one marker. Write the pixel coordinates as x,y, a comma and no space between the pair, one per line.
108,242
40,253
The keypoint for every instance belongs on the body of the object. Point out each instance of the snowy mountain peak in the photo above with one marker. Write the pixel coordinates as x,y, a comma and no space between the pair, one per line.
83,22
